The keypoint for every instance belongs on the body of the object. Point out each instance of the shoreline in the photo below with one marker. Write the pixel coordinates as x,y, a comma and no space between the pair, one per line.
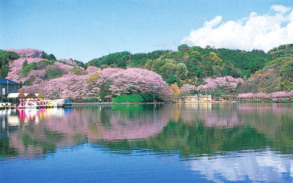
198,102
110,103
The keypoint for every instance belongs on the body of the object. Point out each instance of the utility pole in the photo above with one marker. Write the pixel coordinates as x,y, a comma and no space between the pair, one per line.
7,87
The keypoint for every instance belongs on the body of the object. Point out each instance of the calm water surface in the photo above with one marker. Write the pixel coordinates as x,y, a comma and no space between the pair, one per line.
245,142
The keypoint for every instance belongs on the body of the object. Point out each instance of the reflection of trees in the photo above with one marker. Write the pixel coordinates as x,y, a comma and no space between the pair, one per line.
195,139
6,150
38,136
193,130
199,130
113,122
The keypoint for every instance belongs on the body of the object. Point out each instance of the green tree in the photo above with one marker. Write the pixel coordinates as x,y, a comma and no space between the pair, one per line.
181,71
183,47
25,63
167,70
27,68
51,57
287,71
53,72
5,58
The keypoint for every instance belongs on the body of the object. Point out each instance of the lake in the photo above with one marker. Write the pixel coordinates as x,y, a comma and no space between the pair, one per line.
239,142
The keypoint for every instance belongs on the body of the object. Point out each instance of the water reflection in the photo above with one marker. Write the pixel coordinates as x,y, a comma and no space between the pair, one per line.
197,132
190,130
265,166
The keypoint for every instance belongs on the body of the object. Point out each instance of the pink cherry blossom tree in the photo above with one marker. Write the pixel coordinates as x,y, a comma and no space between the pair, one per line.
188,89
226,83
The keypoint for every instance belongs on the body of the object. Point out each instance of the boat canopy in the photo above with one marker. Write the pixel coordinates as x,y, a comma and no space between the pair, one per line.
16,95
39,95
30,95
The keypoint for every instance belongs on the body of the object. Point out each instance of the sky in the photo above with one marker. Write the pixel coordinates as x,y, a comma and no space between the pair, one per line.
88,29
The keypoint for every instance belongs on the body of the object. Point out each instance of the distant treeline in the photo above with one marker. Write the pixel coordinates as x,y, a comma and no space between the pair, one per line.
190,64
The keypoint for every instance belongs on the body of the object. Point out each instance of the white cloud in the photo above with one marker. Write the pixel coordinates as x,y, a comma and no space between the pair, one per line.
213,22
264,166
280,8
253,32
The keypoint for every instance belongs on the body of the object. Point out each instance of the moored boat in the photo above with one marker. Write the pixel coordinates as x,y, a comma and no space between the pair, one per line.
29,103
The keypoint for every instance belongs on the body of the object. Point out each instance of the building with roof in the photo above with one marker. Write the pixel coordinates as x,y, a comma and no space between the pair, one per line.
7,86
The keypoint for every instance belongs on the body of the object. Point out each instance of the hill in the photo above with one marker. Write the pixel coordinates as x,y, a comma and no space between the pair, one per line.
69,79
194,69
190,65
277,75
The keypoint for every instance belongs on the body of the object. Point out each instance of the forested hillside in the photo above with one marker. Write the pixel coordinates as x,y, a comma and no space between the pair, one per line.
5,58
190,64
277,75
158,75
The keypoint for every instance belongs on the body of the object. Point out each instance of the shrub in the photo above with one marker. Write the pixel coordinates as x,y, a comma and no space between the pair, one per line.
53,72
128,98
5,57
43,64
93,77
92,100
26,68
287,71
142,97
78,71
29,81
148,97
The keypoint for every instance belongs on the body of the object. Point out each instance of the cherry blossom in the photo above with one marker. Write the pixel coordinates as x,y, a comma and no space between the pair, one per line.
27,52
226,82
276,95
187,88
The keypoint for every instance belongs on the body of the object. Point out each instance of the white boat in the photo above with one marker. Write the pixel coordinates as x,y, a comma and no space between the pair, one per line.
6,105
61,103
28,104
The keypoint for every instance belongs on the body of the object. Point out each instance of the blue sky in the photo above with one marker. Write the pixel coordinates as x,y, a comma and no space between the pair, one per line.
87,29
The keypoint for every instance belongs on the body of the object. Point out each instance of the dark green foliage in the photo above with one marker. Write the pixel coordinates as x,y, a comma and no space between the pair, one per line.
172,79
26,68
49,57
29,81
63,62
142,97
53,72
119,59
5,57
79,63
122,59
182,47
128,98
104,88
43,64
148,97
